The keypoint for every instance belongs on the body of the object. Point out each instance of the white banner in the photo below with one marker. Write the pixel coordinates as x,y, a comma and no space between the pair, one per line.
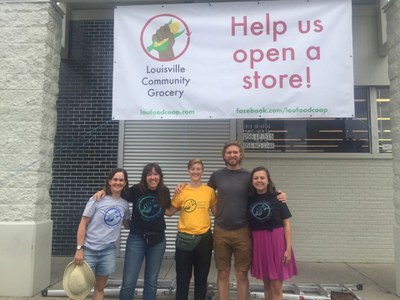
267,59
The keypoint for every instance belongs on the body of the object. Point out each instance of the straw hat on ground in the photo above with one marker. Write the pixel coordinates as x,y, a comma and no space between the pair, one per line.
78,280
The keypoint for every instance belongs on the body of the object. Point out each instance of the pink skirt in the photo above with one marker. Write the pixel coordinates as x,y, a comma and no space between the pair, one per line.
268,250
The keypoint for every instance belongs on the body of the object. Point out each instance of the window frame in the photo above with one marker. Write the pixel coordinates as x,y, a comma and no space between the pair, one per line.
373,136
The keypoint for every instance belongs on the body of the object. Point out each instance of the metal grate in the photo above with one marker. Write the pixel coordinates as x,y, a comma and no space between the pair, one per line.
171,144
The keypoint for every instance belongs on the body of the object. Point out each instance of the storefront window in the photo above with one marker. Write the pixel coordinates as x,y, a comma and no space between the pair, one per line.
383,111
345,135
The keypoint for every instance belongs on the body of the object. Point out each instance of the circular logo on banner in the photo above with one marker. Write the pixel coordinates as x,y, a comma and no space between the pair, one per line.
165,37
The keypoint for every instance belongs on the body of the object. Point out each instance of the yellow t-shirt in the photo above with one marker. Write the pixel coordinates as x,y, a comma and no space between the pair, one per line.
194,205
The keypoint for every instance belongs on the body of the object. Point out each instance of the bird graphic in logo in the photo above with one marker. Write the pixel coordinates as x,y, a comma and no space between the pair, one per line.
261,211
112,217
190,205
149,208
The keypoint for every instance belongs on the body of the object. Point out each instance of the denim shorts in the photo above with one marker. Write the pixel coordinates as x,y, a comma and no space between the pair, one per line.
102,262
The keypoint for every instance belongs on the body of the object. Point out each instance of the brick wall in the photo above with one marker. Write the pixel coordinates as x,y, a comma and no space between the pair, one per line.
86,143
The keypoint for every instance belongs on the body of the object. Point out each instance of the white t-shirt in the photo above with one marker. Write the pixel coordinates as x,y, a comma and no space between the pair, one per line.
105,223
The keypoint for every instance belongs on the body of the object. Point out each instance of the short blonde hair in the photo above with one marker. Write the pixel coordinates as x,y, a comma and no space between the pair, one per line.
194,161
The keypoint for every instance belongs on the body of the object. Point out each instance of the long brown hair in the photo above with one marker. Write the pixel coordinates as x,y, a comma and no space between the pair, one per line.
161,190
271,189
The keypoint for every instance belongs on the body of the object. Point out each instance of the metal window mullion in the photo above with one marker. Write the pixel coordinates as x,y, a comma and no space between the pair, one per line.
373,121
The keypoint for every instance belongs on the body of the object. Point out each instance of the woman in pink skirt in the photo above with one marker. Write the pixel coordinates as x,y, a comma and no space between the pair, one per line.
273,259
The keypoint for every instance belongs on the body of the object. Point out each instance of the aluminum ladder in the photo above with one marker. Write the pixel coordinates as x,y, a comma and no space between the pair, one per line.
167,288
311,291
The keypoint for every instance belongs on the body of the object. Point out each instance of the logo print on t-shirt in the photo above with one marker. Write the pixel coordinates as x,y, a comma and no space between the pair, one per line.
190,205
261,211
112,217
148,208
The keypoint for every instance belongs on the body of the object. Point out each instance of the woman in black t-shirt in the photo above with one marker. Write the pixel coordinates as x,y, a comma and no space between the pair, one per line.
146,240
273,259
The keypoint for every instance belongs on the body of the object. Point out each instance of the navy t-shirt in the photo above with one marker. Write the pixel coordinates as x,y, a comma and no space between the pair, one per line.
147,214
266,212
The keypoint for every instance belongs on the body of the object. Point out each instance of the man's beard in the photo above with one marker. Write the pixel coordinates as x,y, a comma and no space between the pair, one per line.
237,162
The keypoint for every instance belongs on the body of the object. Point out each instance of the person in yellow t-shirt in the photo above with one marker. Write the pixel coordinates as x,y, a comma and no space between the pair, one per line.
194,240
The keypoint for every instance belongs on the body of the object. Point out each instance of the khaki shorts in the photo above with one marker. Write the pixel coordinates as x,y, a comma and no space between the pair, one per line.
236,242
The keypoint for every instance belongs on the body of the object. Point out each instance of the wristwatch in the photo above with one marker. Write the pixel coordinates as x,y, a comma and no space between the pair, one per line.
79,247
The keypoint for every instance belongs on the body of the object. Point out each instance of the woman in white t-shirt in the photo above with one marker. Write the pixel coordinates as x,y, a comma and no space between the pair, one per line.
100,228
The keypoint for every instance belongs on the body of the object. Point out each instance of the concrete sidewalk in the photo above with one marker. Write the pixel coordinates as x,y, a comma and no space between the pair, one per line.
377,280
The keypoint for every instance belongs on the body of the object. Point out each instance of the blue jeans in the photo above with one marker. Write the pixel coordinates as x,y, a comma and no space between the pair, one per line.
137,251
102,262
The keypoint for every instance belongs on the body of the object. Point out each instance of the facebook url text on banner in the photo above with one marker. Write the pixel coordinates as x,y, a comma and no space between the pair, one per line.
284,110
166,112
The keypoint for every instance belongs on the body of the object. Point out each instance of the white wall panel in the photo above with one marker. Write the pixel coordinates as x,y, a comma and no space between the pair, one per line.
342,208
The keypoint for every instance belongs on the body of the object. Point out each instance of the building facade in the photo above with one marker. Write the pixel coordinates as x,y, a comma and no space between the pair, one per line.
340,193
339,184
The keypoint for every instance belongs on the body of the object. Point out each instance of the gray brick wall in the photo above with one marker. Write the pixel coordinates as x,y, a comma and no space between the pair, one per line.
86,144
